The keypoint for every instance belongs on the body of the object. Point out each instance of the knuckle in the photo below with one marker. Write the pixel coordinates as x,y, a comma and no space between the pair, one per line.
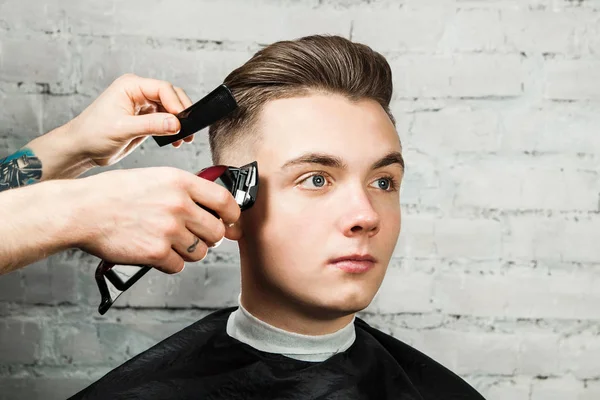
179,204
172,176
224,198
128,77
159,253
166,85
170,228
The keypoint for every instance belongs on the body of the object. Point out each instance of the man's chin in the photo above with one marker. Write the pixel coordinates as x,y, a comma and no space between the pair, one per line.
331,306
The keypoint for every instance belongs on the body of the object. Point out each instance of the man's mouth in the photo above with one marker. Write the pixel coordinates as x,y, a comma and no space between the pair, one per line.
354,263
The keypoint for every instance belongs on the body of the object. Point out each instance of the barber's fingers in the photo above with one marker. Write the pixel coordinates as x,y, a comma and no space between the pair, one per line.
170,263
161,92
187,102
205,226
214,197
183,97
190,247
160,124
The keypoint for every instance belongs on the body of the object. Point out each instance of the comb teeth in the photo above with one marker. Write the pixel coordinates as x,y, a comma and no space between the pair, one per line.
206,111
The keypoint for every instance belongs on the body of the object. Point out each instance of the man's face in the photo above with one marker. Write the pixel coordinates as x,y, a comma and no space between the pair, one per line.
329,188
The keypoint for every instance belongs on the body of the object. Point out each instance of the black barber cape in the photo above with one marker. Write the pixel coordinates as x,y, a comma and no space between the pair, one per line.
204,362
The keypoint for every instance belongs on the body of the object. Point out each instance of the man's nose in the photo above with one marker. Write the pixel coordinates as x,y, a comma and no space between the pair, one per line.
359,217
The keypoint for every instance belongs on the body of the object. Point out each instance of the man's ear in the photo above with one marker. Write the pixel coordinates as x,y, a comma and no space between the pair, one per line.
234,232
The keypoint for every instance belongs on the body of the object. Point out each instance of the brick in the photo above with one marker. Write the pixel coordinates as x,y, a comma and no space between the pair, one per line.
554,129
486,76
465,238
421,183
572,80
455,130
209,20
77,343
486,353
47,60
495,183
50,388
21,17
196,71
402,29
42,282
514,389
202,20
197,285
429,236
473,30
11,287
20,341
20,115
58,110
552,239
50,282
526,294
577,355
416,237
546,31
503,4
564,388
403,292
458,76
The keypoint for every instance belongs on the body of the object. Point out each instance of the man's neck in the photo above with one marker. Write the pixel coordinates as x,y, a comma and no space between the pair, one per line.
288,316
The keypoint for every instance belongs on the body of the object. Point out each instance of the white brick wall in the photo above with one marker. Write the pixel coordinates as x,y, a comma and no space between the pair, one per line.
498,107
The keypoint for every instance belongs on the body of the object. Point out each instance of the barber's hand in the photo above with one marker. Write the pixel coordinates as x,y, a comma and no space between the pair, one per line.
118,121
122,117
149,216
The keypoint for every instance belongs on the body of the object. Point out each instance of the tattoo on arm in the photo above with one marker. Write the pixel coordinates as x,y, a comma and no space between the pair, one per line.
19,169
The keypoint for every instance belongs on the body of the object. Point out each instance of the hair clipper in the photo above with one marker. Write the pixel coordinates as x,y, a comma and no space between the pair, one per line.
113,279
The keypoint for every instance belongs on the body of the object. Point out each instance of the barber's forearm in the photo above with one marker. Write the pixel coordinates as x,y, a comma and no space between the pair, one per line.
36,222
47,157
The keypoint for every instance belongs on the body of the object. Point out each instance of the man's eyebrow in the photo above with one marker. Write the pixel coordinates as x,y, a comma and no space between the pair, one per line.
331,161
326,160
394,157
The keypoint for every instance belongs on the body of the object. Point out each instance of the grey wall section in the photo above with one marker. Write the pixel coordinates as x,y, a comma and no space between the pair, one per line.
496,273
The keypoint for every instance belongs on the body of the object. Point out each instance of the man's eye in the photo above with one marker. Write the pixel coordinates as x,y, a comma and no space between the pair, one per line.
314,181
386,184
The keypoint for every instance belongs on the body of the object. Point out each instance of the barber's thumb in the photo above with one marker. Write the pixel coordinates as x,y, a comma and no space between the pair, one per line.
160,124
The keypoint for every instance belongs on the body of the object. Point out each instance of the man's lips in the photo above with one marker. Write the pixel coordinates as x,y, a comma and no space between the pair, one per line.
354,263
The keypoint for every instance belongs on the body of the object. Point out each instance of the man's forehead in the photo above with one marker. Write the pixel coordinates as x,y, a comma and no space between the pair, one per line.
326,127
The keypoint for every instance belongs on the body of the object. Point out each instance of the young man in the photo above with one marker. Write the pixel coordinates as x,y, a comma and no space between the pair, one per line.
314,248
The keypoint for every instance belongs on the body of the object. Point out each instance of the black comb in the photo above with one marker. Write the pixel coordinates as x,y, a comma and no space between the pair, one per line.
206,111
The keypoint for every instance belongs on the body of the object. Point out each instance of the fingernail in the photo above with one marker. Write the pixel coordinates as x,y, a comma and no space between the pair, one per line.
170,124
214,246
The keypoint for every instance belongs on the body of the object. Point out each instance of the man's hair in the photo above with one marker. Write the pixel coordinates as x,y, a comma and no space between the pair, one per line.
325,64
